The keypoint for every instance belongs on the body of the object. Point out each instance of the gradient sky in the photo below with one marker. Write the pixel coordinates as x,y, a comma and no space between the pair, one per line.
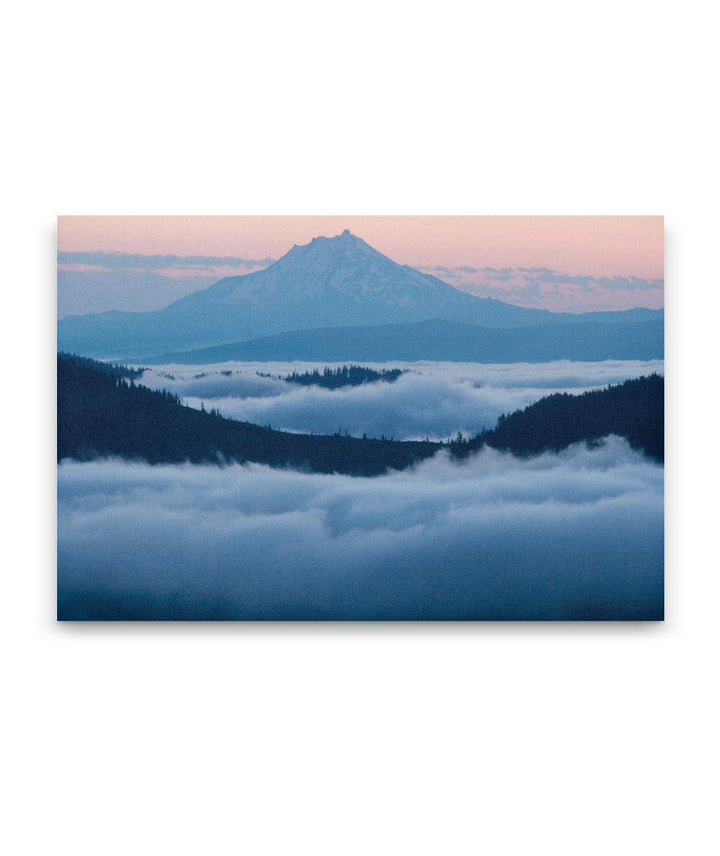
574,263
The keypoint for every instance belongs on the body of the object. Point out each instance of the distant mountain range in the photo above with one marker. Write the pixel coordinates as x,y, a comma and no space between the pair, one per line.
451,341
341,282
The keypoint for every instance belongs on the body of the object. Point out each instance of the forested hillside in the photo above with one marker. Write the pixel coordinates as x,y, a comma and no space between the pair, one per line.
634,410
101,413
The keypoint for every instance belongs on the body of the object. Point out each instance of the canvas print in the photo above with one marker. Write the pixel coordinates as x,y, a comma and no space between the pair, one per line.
355,418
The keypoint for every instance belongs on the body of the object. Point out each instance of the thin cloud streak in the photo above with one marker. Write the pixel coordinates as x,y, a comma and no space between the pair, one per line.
97,282
139,261
544,288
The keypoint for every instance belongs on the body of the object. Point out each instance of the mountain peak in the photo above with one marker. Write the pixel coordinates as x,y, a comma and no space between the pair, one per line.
345,237
323,247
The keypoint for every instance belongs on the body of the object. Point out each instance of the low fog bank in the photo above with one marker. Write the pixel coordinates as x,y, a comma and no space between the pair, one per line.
577,535
434,400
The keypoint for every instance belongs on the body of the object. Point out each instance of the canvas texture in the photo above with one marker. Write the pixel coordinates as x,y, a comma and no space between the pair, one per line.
360,418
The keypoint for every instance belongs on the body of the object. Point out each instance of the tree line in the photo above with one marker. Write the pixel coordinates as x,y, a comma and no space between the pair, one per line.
345,376
633,409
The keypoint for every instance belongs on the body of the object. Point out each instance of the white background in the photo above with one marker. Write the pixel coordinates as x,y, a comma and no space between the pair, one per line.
359,739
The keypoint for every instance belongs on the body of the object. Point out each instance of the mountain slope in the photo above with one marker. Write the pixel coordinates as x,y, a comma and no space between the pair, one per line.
633,410
330,282
441,340
101,413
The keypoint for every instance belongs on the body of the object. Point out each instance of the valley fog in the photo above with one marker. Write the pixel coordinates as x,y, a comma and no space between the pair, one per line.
430,399
564,536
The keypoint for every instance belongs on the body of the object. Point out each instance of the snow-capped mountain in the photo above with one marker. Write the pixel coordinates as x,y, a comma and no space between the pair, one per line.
330,282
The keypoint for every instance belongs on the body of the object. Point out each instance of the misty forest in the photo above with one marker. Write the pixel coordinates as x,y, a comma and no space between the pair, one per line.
344,376
387,448
103,412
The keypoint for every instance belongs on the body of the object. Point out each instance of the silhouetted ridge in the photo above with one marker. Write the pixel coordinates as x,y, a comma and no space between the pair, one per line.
110,369
103,414
634,410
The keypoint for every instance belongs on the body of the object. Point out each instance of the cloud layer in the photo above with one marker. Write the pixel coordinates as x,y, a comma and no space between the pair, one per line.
433,400
577,535
544,288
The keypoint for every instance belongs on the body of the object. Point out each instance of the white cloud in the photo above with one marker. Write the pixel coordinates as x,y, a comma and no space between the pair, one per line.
573,535
432,399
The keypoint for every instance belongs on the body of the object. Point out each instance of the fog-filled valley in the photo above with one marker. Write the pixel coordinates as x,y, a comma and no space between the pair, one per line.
572,535
459,533
429,400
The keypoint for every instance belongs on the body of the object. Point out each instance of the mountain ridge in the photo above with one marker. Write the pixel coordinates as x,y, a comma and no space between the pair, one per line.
445,341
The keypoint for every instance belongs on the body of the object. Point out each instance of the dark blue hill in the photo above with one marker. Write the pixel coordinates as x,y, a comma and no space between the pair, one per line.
451,341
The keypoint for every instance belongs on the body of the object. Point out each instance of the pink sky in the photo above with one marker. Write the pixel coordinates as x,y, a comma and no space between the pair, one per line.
598,246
